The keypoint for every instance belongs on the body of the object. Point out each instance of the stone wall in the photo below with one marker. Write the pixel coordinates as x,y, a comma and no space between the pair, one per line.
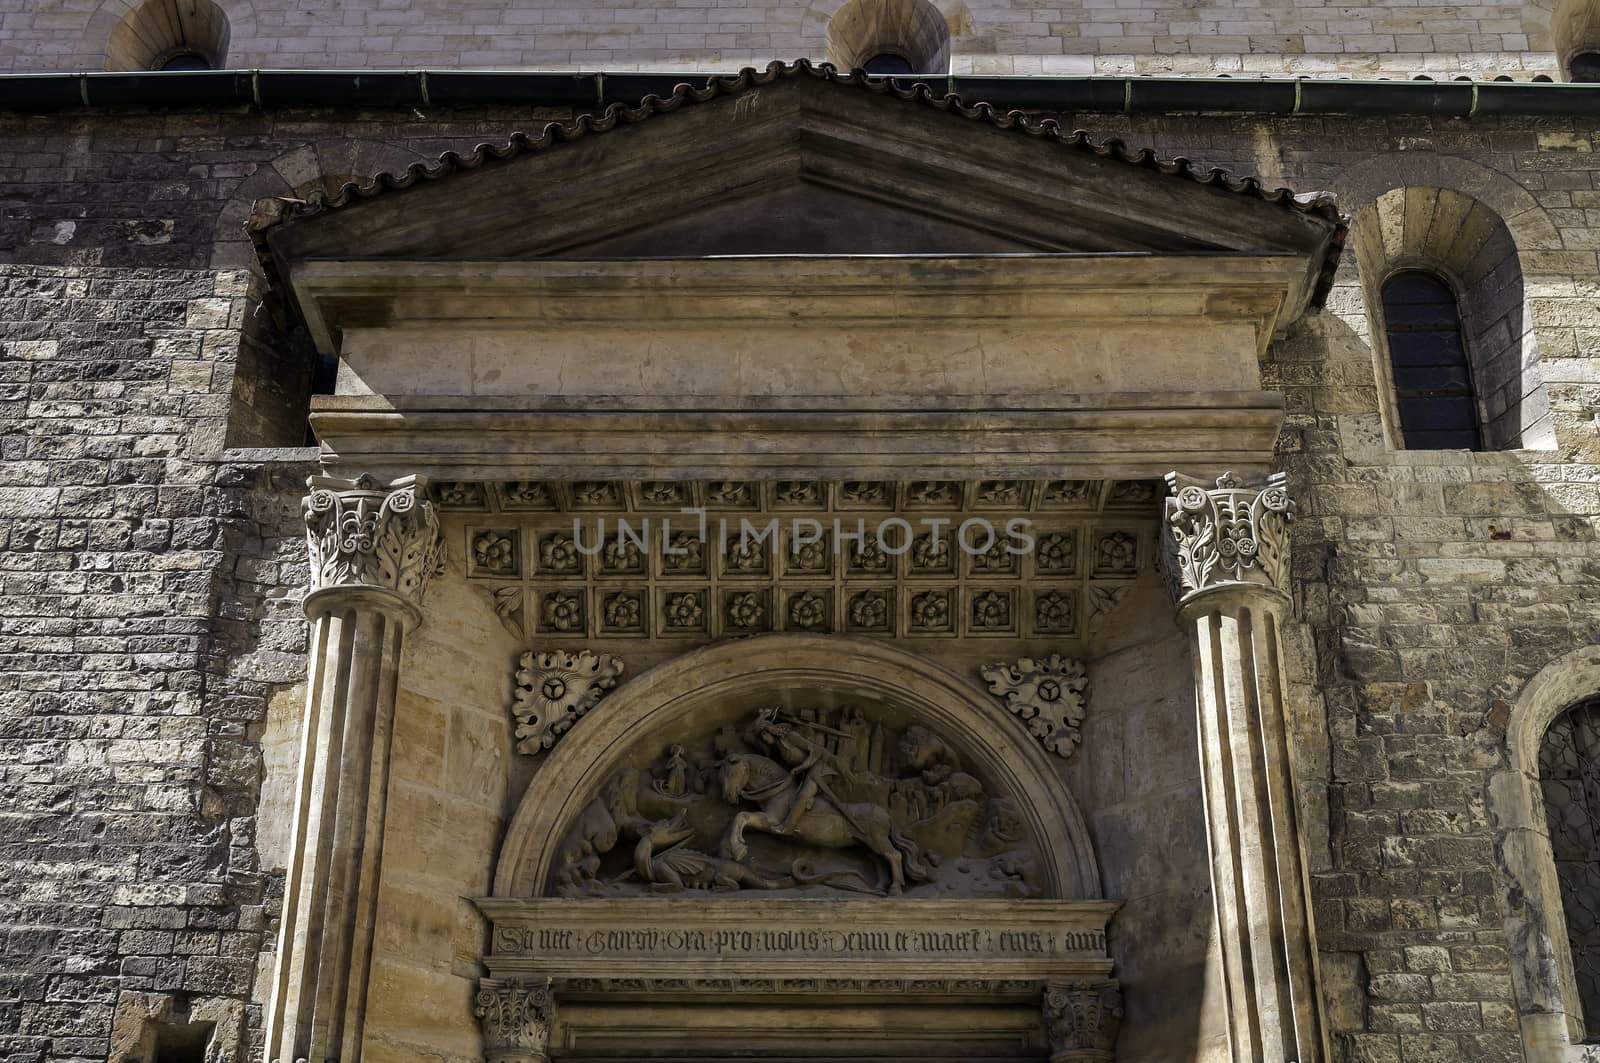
987,36
135,571
152,638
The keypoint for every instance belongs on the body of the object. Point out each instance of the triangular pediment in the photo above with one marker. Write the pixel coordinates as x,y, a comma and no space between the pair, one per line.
799,161
795,268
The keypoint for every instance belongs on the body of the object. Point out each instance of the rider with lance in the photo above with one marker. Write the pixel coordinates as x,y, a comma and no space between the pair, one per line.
803,754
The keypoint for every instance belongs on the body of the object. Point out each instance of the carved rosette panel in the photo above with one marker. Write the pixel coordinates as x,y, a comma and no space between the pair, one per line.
515,1018
367,533
1232,533
1048,695
555,689
1081,1020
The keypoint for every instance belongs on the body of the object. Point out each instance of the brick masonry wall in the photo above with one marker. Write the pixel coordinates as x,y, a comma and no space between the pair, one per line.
149,580
987,36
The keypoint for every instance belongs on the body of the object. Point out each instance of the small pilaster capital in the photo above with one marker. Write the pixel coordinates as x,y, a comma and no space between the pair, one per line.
1081,1020
516,1018
366,534
1232,534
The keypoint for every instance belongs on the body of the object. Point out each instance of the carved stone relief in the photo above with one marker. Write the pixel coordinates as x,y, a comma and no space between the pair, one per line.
836,801
694,560
555,689
515,1018
1049,695
1231,533
365,532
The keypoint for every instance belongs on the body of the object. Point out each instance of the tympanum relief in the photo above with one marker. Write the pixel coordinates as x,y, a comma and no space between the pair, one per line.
802,800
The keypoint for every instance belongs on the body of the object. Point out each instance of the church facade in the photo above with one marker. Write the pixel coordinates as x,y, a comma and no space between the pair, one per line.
1020,535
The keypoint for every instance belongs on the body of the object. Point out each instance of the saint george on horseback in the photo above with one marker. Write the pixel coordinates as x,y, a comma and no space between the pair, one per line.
808,810
805,755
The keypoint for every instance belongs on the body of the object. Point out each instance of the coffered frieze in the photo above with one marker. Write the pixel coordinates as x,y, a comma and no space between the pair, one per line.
671,496
687,560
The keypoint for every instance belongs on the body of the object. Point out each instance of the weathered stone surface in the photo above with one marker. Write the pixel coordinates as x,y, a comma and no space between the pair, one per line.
151,586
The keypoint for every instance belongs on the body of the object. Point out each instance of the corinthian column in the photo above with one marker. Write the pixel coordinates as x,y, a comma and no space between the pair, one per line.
373,546
515,1018
1228,563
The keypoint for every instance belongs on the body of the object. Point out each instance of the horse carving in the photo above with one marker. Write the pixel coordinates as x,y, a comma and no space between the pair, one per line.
808,811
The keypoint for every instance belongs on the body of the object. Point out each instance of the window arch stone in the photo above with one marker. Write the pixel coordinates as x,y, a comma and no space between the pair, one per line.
914,30
1550,1011
1575,34
1466,243
157,34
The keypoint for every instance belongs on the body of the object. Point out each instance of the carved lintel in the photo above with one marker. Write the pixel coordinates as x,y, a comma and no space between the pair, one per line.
516,1018
1230,534
1048,695
365,533
1003,988
555,689
1081,1020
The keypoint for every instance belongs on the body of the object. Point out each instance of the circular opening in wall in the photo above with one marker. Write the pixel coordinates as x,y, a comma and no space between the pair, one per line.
893,38
887,64
1585,67
184,60
169,35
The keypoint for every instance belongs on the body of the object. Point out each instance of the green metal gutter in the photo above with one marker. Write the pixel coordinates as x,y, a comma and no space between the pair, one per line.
214,90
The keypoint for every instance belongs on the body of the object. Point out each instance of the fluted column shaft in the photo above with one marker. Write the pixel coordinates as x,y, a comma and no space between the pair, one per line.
1228,564
373,547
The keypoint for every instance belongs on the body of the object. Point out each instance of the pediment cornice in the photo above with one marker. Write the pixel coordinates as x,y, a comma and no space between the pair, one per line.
950,176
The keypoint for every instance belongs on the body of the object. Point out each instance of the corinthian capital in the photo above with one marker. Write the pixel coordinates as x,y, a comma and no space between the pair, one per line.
516,1019
1081,1020
1230,534
365,533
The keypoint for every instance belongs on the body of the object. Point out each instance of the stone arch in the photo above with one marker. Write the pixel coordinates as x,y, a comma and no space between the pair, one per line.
1574,29
822,24
1468,226
1541,962
914,30
1360,186
138,34
588,754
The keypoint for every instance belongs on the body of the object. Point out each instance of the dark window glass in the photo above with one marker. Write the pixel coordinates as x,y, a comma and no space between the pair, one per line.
888,65
1432,382
1585,66
186,61
1569,777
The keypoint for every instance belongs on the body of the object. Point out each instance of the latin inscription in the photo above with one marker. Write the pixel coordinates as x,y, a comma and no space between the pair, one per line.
798,941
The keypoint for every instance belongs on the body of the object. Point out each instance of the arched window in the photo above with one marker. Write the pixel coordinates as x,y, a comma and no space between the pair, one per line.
1432,380
1569,780
1585,66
